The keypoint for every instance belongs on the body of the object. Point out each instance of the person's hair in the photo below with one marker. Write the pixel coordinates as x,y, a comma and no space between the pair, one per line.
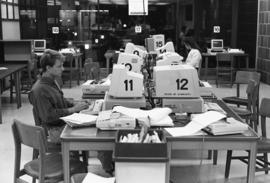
192,43
49,58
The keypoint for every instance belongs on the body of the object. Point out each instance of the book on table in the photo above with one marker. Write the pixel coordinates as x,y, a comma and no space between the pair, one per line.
80,120
226,127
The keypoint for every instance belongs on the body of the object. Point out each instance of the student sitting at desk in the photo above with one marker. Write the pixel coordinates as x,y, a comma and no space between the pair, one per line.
194,57
47,97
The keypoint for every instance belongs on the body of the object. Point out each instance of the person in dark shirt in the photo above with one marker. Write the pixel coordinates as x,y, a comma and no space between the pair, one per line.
48,99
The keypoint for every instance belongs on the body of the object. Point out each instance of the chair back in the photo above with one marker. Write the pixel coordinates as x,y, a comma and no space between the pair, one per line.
243,77
226,57
251,91
92,70
32,136
264,113
224,62
224,69
88,60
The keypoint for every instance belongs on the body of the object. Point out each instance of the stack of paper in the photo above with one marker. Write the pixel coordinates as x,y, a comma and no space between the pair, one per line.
228,126
211,106
90,177
79,119
153,117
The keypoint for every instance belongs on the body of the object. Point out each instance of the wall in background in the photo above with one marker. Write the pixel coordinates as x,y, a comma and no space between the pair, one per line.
263,41
11,30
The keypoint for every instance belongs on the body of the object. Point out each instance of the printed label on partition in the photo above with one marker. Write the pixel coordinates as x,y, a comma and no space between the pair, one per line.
216,29
158,42
55,30
138,29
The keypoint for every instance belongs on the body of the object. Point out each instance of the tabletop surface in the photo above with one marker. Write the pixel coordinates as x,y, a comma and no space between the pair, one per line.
233,53
10,69
92,134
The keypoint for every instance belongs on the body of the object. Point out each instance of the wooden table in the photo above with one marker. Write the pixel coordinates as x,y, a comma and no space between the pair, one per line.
93,139
12,69
207,55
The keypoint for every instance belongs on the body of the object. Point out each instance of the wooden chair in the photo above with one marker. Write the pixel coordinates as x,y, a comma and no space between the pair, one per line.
91,70
250,112
243,77
224,69
52,147
46,168
263,147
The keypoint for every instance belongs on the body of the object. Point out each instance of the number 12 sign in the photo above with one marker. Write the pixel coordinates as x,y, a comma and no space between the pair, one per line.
179,81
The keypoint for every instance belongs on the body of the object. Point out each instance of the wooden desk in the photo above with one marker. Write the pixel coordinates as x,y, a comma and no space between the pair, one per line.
12,69
235,55
93,139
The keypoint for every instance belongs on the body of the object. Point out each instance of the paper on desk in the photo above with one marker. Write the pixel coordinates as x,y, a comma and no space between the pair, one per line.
166,121
156,116
79,118
199,122
90,177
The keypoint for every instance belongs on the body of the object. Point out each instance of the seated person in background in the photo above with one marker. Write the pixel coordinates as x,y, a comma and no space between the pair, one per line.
194,57
48,99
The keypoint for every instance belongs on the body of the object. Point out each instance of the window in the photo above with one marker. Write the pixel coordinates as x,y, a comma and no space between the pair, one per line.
9,10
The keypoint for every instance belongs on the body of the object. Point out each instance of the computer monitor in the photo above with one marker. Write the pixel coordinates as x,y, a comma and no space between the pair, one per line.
217,44
39,44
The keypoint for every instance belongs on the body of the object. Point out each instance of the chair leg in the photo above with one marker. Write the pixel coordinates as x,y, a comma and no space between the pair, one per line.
265,158
228,163
209,154
215,156
11,89
35,156
85,157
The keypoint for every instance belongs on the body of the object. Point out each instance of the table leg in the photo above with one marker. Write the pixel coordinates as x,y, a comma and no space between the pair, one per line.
0,108
66,167
168,167
80,67
107,64
77,69
252,163
247,62
206,68
18,88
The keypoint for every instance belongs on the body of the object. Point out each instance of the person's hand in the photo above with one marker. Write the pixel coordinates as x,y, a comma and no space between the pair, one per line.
79,106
